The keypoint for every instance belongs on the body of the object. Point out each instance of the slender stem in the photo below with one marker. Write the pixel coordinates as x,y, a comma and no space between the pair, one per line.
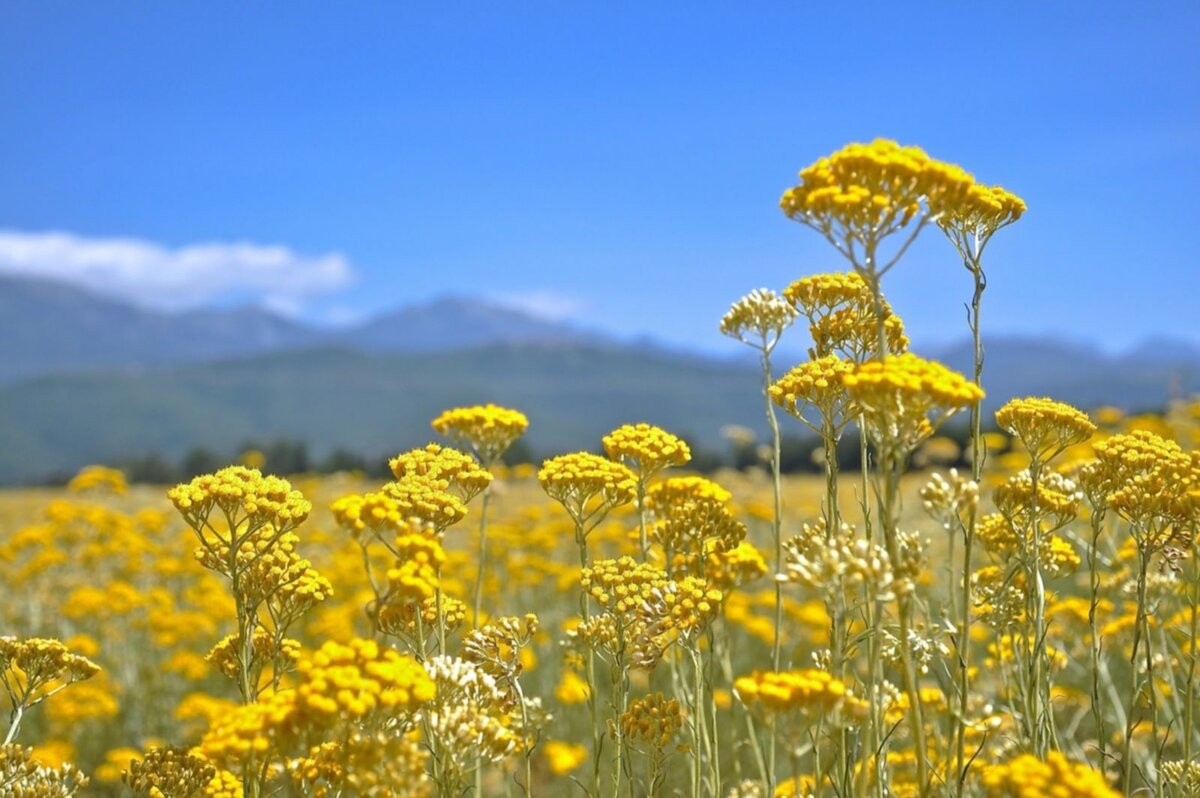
978,454
1094,629
481,571
777,539
1190,702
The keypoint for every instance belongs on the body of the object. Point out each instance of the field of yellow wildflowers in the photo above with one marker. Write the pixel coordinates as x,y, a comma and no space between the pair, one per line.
610,624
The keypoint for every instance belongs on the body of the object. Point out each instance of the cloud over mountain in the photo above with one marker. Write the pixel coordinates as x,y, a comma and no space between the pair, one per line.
173,278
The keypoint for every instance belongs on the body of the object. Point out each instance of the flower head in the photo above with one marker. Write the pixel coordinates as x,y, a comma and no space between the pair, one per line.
437,462
587,485
904,397
488,429
1026,775
645,449
864,192
758,319
1044,427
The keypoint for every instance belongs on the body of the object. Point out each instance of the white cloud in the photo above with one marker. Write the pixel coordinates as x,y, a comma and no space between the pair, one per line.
153,275
549,305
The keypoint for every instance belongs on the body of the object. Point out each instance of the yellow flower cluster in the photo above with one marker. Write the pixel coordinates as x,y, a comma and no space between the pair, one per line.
817,384
245,497
982,212
903,397
427,501
871,190
488,429
99,478
436,462
168,772
367,764
622,587
683,609
587,485
840,309
809,692
1043,426
414,576
360,678
33,668
728,568
563,757
653,720
1055,777
1149,480
646,449
690,514
264,647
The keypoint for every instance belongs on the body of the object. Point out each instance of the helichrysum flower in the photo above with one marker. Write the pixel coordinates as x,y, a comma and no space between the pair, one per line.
687,513
816,384
904,397
1150,482
758,319
1044,427
727,568
368,764
35,668
168,771
587,485
1026,776
426,500
470,717
646,449
810,692
488,429
99,478
840,309
972,222
864,192
437,462
652,720
247,497
21,776
563,757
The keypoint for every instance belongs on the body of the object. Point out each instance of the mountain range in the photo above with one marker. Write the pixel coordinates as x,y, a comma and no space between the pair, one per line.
89,379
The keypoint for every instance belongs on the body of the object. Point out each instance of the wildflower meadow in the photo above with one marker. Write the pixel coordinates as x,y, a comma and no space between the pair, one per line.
1016,618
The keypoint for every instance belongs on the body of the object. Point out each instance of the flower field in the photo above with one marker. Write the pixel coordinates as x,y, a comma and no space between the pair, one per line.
1018,618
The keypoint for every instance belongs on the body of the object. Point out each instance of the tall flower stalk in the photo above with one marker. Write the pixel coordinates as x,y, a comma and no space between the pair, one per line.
759,320
970,227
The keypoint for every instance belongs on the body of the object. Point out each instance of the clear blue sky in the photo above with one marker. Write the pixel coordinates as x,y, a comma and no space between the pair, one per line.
624,159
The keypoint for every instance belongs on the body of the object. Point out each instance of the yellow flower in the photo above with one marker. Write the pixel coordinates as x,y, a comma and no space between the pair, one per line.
488,429
571,689
563,757
645,449
1027,776
904,397
864,192
809,692
443,463
1043,426
587,485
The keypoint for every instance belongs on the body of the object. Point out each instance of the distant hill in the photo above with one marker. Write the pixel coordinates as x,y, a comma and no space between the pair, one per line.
372,403
48,327
54,328
380,403
86,379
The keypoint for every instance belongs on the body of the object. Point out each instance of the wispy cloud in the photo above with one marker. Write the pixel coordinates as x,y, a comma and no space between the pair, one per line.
549,305
172,278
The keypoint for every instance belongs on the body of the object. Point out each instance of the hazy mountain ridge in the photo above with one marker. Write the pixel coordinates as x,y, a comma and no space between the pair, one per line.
54,328
93,380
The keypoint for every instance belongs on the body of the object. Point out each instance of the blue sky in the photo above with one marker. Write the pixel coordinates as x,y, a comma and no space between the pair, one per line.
620,163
